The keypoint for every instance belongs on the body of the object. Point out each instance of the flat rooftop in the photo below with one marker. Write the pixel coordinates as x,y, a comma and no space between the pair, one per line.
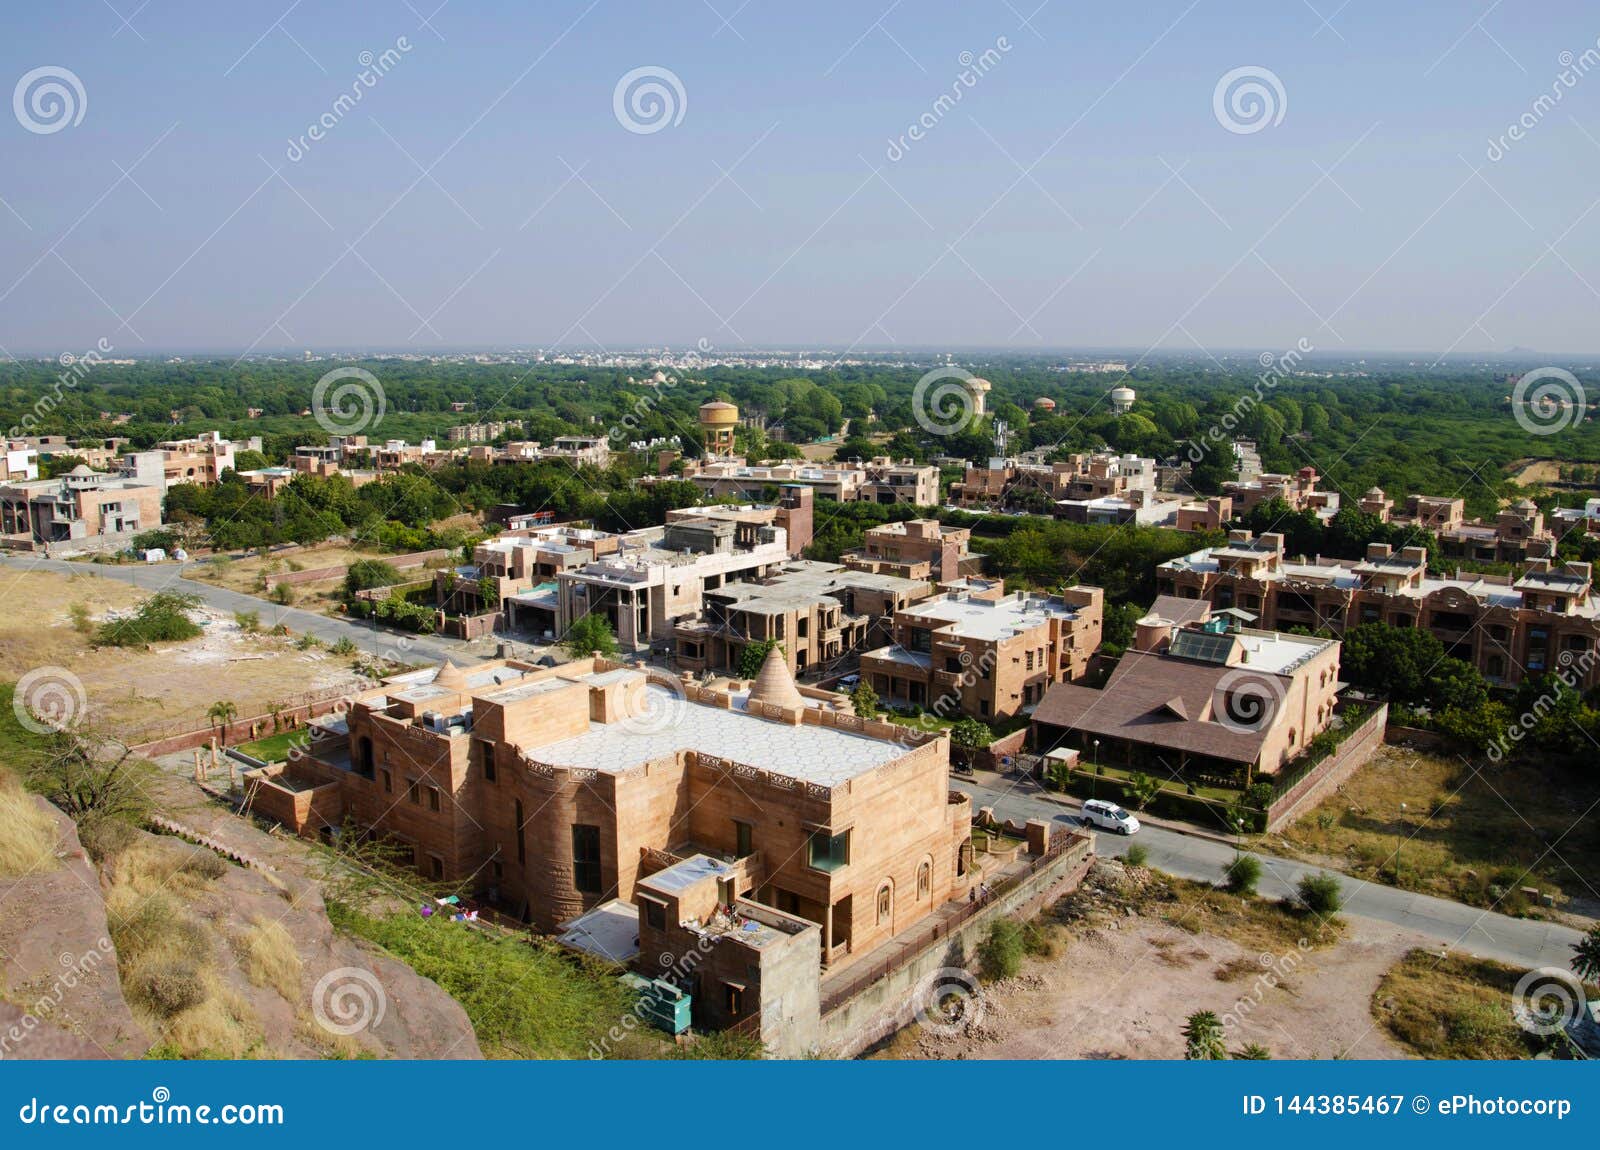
808,753
609,931
993,620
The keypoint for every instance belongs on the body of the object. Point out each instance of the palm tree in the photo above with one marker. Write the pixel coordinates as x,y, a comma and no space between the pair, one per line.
276,708
1253,1052
1204,1038
221,713
1586,955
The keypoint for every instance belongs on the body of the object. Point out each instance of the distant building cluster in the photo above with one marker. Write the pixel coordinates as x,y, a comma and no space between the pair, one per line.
1507,626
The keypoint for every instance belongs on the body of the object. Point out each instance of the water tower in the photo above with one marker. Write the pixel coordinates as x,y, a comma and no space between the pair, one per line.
717,421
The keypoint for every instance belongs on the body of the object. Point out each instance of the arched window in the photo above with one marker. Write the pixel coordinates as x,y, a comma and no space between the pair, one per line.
885,902
924,879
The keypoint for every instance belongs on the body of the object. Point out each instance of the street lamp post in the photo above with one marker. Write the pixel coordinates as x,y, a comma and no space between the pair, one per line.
1400,845
1094,777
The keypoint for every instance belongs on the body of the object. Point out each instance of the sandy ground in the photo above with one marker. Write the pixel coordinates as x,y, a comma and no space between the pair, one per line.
139,694
1123,986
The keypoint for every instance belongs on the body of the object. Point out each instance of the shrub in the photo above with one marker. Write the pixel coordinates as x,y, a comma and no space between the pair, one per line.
1138,854
81,622
1321,894
167,986
282,594
1001,950
590,635
1243,873
162,618
345,646
249,621
1040,939
365,574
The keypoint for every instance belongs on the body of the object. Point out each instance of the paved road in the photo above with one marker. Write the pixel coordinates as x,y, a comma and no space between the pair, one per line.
158,577
1518,942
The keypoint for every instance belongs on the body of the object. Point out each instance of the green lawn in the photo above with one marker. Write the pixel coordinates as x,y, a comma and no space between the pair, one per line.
274,748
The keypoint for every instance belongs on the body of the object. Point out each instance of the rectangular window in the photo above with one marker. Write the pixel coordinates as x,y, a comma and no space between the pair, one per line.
744,836
433,798
487,751
735,997
655,914
522,839
436,866
829,852
586,858
414,791
388,783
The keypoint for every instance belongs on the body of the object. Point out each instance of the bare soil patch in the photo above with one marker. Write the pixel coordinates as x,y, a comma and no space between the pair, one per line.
1142,952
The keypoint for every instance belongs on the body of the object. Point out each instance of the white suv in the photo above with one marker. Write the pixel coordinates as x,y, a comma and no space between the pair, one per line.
1109,816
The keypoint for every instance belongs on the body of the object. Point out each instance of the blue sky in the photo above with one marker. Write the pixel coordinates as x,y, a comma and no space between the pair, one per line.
1083,191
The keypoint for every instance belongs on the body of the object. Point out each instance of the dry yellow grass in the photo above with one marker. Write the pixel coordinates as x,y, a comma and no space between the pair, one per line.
271,959
167,954
221,1026
27,832
1455,1007
1473,835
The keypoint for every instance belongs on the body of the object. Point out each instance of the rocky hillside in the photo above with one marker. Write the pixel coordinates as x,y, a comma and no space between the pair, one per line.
168,949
